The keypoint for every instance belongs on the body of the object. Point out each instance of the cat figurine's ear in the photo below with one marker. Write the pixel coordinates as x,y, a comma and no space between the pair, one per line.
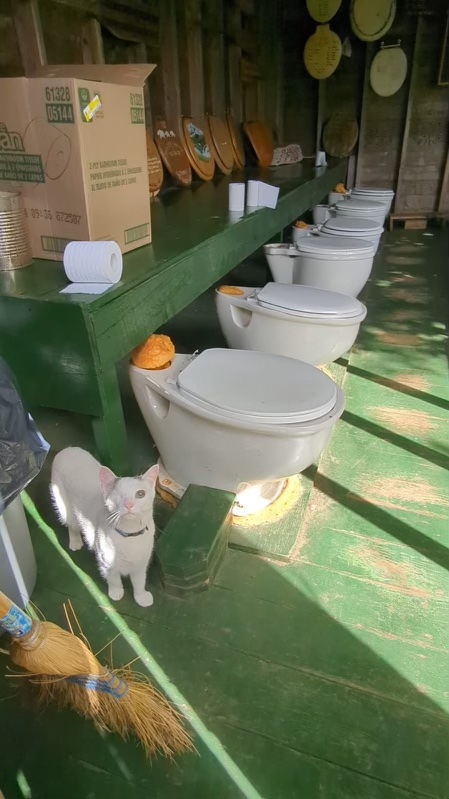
151,475
107,479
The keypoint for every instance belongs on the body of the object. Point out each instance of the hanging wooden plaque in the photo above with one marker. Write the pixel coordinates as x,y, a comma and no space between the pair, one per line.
388,71
155,169
198,147
236,141
340,135
323,10
322,52
261,139
172,152
221,144
371,19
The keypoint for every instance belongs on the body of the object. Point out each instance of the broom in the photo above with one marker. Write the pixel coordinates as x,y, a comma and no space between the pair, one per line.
65,669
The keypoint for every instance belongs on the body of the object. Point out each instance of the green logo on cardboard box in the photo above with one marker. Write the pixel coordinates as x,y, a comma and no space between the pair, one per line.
84,100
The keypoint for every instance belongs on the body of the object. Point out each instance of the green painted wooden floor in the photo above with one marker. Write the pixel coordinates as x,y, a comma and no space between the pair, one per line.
321,674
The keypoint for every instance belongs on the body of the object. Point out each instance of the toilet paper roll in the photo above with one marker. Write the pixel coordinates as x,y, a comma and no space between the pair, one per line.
252,194
53,144
93,262
236,196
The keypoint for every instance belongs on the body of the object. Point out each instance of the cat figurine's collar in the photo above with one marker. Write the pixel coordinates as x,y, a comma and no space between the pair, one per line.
130,535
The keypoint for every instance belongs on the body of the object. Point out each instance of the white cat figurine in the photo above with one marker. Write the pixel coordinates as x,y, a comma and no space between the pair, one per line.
114,516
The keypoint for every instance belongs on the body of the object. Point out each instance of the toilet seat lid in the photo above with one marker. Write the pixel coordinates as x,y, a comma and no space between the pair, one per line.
343,225
373,192
257,386
343,247
356,205
308,301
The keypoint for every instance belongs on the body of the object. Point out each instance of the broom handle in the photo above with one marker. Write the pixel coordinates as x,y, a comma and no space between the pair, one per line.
14,620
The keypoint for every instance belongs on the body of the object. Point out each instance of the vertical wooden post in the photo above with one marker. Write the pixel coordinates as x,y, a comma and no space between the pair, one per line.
29,34
141,57
167,98
408,116
214,58
92,42
443,202
363,115
191,58
234,98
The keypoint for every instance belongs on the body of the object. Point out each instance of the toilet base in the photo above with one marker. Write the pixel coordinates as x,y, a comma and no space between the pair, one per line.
249,499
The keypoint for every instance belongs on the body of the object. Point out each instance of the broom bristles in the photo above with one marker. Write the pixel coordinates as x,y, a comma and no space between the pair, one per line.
133,706
64,669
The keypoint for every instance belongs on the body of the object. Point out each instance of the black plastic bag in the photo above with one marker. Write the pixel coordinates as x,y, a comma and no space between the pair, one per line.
22,448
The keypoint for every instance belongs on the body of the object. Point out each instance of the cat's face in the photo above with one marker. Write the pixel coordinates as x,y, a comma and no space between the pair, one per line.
128,498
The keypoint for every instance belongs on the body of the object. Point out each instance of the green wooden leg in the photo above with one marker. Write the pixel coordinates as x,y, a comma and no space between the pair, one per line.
109,429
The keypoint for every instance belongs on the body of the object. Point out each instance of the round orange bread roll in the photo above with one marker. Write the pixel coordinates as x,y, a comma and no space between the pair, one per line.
156,352
340,188
234,291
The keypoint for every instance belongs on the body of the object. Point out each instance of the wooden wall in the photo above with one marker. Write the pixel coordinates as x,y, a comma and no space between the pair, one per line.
403,139
212,55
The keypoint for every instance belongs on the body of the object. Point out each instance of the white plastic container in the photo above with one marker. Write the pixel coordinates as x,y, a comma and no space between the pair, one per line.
335,263
17,560
310,324
299,233
321,213
354,228
363,209
281,259
227,417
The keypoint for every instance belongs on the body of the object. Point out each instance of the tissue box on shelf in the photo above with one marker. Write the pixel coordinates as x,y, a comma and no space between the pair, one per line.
73,142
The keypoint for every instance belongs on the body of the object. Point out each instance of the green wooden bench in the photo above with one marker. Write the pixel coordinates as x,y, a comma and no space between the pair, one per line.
64,348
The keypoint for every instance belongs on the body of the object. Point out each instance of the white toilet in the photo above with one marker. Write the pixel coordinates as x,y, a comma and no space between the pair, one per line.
321,213
362,209
355,228
281,259
336,263
384,196
310,324
224,418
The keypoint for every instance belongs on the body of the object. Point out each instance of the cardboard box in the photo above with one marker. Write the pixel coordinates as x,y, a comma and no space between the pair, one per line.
72,140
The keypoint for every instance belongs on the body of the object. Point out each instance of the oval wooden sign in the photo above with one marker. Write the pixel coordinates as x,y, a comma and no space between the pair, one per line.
261,139
221,144
340,135
371,19
388,71
323,10
198,147
172,152
155,169
322,52
236,141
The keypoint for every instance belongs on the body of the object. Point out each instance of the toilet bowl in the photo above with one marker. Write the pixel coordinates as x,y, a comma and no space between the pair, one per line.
335,197
363,209
227,417
299,233
310,324
321,213
335,263
281,259
384,196
354,228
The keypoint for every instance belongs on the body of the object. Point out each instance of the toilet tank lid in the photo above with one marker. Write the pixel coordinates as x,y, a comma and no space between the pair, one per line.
257,385
360,205
352,224
373,192
309,301
341,246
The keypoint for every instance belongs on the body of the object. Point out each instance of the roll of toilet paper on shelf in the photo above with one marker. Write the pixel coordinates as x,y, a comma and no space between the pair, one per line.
236,196
252,193
93,262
